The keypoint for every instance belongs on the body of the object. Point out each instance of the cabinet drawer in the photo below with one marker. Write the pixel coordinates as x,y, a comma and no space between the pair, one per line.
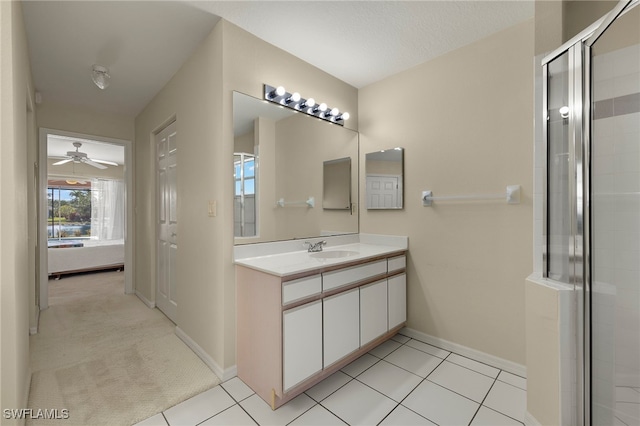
347,276
397,263
299,289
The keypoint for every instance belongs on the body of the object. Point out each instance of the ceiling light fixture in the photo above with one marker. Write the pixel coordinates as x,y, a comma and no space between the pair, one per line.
309,106
100,76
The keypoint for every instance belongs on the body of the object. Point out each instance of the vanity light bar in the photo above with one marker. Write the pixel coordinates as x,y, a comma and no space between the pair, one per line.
309,106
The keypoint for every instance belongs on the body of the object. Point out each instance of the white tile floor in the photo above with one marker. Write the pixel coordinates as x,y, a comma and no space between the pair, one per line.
401,382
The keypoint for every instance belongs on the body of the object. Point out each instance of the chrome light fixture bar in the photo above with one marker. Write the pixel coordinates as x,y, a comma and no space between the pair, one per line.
280,96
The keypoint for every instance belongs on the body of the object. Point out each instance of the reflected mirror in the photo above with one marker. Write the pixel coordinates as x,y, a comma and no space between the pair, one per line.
384,179
336,193
279,174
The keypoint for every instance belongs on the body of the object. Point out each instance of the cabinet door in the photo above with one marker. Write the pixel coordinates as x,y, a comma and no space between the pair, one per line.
397,300
373,311
341,325
302,343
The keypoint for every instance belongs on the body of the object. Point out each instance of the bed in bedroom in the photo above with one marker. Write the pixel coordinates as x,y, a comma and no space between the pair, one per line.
73,256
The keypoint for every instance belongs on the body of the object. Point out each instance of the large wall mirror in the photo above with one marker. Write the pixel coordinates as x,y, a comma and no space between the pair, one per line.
280,171
384,179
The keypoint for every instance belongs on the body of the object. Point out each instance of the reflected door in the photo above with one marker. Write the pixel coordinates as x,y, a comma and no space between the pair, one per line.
383,192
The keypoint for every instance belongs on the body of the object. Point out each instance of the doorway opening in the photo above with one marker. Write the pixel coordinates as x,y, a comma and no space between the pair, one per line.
85,212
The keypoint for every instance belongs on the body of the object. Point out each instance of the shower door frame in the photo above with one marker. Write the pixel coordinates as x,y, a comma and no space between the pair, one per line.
580,249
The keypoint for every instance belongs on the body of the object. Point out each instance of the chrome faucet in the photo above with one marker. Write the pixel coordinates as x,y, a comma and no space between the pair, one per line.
315,247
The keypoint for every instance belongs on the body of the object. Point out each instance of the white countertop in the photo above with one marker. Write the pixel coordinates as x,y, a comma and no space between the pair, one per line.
295,262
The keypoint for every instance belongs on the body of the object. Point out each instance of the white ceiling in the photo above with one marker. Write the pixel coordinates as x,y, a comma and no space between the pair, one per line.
144,43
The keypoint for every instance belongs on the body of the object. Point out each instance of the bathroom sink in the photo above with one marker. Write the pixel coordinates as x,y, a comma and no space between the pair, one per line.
333,254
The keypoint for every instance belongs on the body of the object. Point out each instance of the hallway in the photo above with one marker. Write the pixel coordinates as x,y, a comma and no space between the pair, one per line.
107,358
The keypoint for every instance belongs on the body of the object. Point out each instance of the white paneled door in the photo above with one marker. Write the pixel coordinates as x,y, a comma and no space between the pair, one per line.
383,192
167,222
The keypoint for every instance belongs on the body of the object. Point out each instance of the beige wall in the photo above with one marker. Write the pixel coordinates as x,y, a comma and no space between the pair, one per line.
202,163
579,14
244,143
471,134
383,168
250,62
558,21
228,59
17,276
85,121
302,145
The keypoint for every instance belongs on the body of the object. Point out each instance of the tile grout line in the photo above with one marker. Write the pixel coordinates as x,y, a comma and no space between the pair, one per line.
238,403
463,356
397,404
484,399
493,409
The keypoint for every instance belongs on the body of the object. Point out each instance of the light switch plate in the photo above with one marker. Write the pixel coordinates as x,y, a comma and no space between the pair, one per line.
213,208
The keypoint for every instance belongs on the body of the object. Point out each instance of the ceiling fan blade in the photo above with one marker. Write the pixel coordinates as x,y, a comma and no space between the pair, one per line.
109,163
94,164
58,163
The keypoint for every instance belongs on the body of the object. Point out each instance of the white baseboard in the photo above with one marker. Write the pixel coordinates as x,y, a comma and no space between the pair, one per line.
223,375
529,420
146,301
628,380
492,360
34,330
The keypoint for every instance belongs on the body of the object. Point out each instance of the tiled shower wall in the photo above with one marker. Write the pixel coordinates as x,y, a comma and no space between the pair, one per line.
615,168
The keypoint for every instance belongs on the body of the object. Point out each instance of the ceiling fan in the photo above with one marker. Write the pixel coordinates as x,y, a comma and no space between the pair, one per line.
81,157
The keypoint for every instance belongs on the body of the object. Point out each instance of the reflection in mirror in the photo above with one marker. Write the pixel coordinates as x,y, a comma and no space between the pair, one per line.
280,155
384,179
336,193
244,205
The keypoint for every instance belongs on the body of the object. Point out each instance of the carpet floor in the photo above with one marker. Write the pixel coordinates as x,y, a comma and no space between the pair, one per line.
106,357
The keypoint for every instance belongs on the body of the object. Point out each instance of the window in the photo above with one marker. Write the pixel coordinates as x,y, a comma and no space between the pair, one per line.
69,211
85,210
244,207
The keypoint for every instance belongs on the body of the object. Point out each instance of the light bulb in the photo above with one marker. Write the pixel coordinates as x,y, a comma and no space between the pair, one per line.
278,91
310,102
564,112
295,97
335,111
322,107
345,116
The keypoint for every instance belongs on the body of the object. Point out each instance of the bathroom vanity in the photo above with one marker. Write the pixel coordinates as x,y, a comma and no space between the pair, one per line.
302,316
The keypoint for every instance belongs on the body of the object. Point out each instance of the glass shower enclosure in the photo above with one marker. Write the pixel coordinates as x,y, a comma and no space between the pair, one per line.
591,102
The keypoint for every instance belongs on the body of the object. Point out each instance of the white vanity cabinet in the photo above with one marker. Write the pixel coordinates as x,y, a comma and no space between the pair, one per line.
397,294
341,325
301,343
373,311
295,330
